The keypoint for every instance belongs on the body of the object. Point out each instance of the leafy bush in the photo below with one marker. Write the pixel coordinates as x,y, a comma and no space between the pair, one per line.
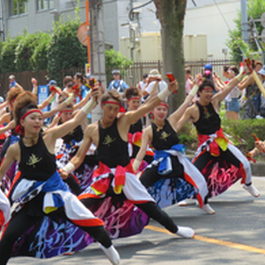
24,51
241,132
8,55
115,60
238,48
65,50
39,58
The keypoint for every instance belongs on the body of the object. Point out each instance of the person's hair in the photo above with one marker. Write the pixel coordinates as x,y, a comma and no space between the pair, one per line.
67,79
187,70
234,69
145,76
205,83
258,63
225,68
112,94
24,102
79,76
131,92
13,93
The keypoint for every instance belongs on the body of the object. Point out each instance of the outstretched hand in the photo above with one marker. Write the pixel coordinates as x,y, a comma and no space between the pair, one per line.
260,145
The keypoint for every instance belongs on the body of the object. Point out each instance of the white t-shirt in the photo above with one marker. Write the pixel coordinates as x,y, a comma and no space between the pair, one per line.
161,86
235,93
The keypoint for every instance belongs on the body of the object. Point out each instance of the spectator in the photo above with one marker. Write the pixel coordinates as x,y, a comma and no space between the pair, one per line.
117,83
232,99
155,83
189,80
142,84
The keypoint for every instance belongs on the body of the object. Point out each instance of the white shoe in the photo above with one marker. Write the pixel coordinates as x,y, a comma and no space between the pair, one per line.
112,254
185,231
186,202
208,209
252,190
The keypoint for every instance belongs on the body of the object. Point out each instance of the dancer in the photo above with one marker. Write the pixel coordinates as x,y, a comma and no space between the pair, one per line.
114,175
221,163
67,146
135,133
40,191
171,175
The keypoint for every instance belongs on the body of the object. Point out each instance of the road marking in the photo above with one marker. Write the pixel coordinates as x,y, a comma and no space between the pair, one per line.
214,241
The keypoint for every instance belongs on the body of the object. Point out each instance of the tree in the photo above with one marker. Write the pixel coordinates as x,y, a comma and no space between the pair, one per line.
24,50
8,55
65,50
239,48
171,15
115,60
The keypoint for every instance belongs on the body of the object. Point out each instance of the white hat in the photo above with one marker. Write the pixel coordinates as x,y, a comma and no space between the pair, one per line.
154,73
262,71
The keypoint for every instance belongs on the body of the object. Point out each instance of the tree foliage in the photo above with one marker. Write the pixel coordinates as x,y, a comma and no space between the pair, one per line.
8,55
65,50
115,60
24,51
39,58
239,48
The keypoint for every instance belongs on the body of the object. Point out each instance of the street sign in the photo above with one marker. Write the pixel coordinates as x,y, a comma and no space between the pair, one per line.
82,33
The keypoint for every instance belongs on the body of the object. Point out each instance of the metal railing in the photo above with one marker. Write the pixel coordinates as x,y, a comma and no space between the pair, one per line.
132,75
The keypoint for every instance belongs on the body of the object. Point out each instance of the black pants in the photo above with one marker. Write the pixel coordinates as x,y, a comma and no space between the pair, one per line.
150,175
22,221
227,155
150,208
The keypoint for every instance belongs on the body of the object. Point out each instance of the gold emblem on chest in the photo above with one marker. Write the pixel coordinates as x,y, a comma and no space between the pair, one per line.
33,160
108,140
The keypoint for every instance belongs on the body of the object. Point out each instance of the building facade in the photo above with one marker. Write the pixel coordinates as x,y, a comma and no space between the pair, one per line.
212,19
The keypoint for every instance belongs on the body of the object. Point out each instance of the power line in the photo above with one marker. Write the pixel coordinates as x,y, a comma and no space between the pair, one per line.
222,15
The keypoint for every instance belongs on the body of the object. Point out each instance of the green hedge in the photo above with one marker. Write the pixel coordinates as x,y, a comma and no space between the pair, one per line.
241,132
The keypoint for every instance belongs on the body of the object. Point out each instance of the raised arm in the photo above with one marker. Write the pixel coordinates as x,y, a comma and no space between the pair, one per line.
132,117
186,117
177,114
228,88
47,101
146,140
76,160
11,125
10,157
66,127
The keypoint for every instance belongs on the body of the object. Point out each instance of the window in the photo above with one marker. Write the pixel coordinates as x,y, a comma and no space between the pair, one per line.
45,4
18,7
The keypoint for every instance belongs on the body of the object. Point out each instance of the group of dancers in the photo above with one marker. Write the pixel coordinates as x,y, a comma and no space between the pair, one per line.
68,184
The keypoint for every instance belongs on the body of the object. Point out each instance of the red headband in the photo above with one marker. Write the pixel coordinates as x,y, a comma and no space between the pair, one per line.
29,112
111,102
134,98
164,104
67,110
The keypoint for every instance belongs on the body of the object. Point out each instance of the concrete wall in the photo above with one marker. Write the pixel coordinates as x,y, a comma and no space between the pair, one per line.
205,19
149,47
208,21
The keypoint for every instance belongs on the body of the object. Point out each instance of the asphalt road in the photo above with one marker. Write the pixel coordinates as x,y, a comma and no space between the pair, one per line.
234,235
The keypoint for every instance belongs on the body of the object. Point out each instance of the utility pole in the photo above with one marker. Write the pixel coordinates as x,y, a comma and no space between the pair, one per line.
97,40
244,20
97,48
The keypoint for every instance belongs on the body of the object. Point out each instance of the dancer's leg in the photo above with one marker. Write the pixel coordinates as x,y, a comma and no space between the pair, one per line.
18,224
